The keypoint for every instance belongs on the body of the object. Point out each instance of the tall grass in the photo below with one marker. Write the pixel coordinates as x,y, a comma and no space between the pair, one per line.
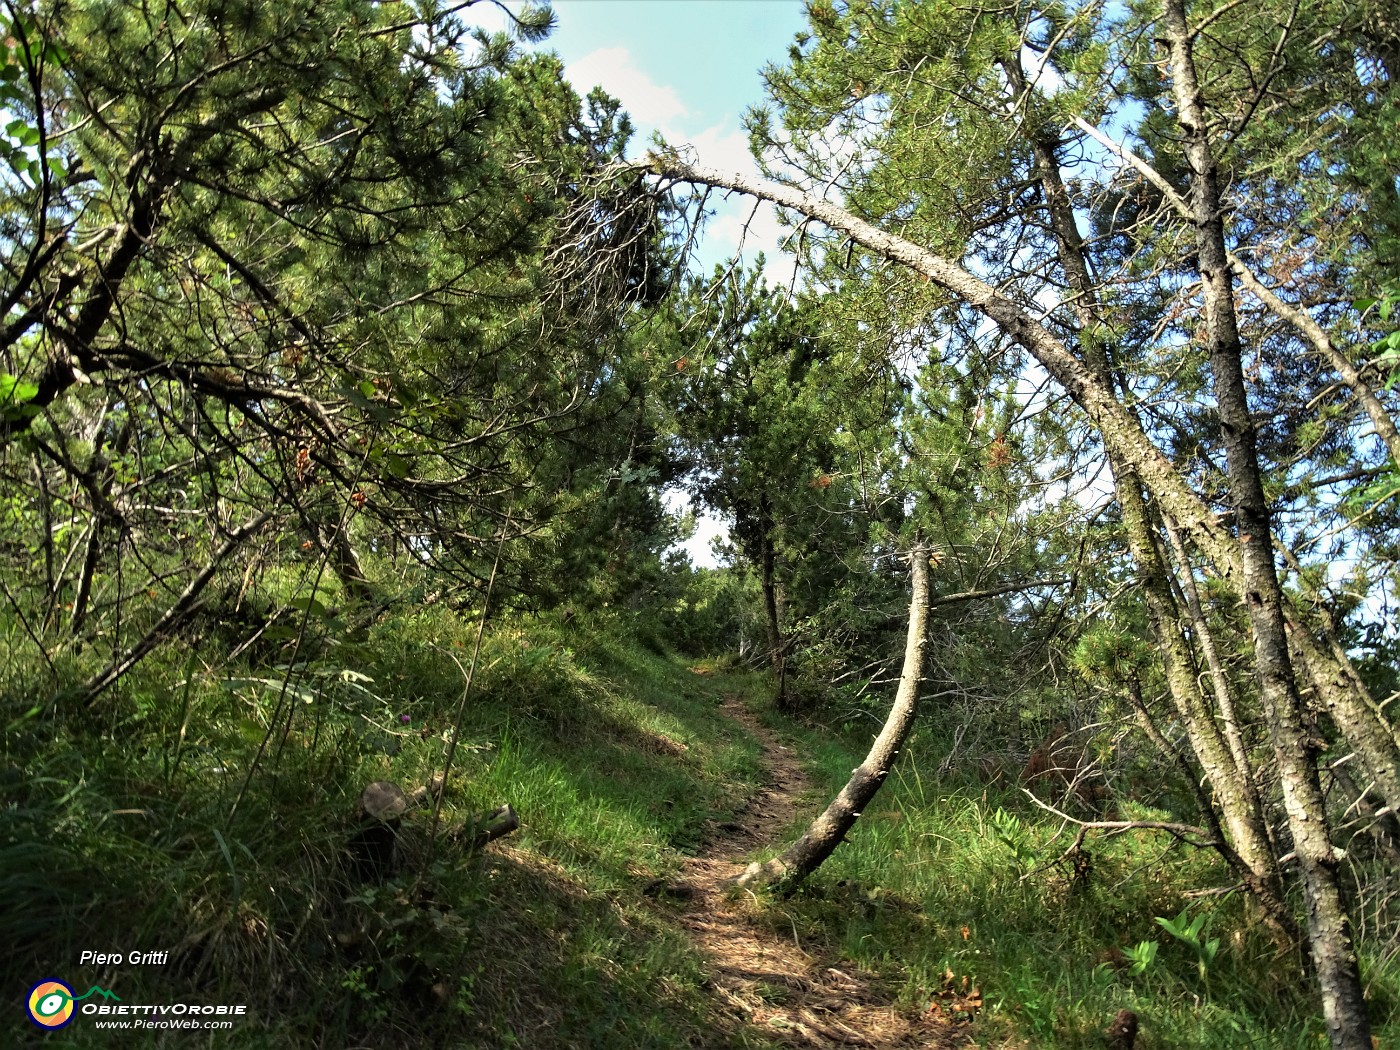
946,878
147,825
206,809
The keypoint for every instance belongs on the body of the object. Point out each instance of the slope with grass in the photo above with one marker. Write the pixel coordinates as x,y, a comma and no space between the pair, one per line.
980,909
227,845
209,812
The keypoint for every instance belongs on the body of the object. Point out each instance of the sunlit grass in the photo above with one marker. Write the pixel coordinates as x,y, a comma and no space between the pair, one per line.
120,831
945,877
123,834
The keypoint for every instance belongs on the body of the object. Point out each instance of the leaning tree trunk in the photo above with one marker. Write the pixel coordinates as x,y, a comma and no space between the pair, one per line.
1242,807
829,830
1121,432
1329,928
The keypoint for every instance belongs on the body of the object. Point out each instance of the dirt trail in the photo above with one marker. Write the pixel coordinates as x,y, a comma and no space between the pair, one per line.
793,996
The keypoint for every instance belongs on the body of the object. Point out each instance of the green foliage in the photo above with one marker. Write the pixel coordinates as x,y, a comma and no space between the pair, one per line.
1192,932
714,611
1141,956
375,274
1387,348
1109,653
315,260
947,874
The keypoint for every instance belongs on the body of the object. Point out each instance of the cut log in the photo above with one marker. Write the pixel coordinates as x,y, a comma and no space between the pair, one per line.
499,823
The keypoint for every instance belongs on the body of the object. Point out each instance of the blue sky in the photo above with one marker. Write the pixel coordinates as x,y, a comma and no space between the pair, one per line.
688,69
689,65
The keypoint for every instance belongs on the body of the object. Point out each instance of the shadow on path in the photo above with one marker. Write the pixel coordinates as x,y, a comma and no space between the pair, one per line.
768,979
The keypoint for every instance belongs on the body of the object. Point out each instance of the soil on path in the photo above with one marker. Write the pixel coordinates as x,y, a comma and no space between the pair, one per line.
794,996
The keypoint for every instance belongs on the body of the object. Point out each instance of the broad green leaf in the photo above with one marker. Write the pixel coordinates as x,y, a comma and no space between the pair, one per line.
308,604
15,391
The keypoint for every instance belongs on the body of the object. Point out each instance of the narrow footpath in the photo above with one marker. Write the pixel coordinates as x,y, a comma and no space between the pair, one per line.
792,995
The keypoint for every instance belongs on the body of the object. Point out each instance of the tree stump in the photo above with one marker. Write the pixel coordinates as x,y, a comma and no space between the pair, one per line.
377,845
374,848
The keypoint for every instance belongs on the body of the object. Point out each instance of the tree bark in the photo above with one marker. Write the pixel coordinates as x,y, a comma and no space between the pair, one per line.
1328,924
1277,913
334,536
829,830
1322,343
1242,808
1372,735
1329,928
1120,431
1352,711
1205,640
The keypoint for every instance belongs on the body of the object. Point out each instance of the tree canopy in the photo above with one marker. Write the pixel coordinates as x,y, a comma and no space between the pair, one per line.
334,333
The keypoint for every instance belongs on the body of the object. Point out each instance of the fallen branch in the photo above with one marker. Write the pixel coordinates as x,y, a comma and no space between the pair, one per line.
1118,827
499,823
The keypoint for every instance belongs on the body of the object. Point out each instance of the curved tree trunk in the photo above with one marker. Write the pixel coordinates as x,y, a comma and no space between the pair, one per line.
1329,928
829,830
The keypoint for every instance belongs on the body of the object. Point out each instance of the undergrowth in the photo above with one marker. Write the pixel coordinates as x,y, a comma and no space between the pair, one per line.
950,886
209,811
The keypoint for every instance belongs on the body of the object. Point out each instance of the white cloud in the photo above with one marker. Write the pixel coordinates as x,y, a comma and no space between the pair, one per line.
722,147
737,225
613,69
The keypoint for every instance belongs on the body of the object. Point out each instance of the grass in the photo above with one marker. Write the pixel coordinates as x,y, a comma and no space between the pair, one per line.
206,811
116,835
950,883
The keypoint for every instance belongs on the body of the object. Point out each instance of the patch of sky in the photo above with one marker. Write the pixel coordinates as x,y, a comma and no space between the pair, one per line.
686,71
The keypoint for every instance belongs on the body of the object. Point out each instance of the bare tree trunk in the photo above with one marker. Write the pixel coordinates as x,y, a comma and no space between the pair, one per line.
1329,928
1220,682
829,830
1354,711
345,560
1121,432
1241,806
1243,812
1276,910
1340,692
92,549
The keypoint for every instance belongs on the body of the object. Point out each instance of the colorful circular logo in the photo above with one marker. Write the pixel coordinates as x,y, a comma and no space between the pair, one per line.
51,1004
